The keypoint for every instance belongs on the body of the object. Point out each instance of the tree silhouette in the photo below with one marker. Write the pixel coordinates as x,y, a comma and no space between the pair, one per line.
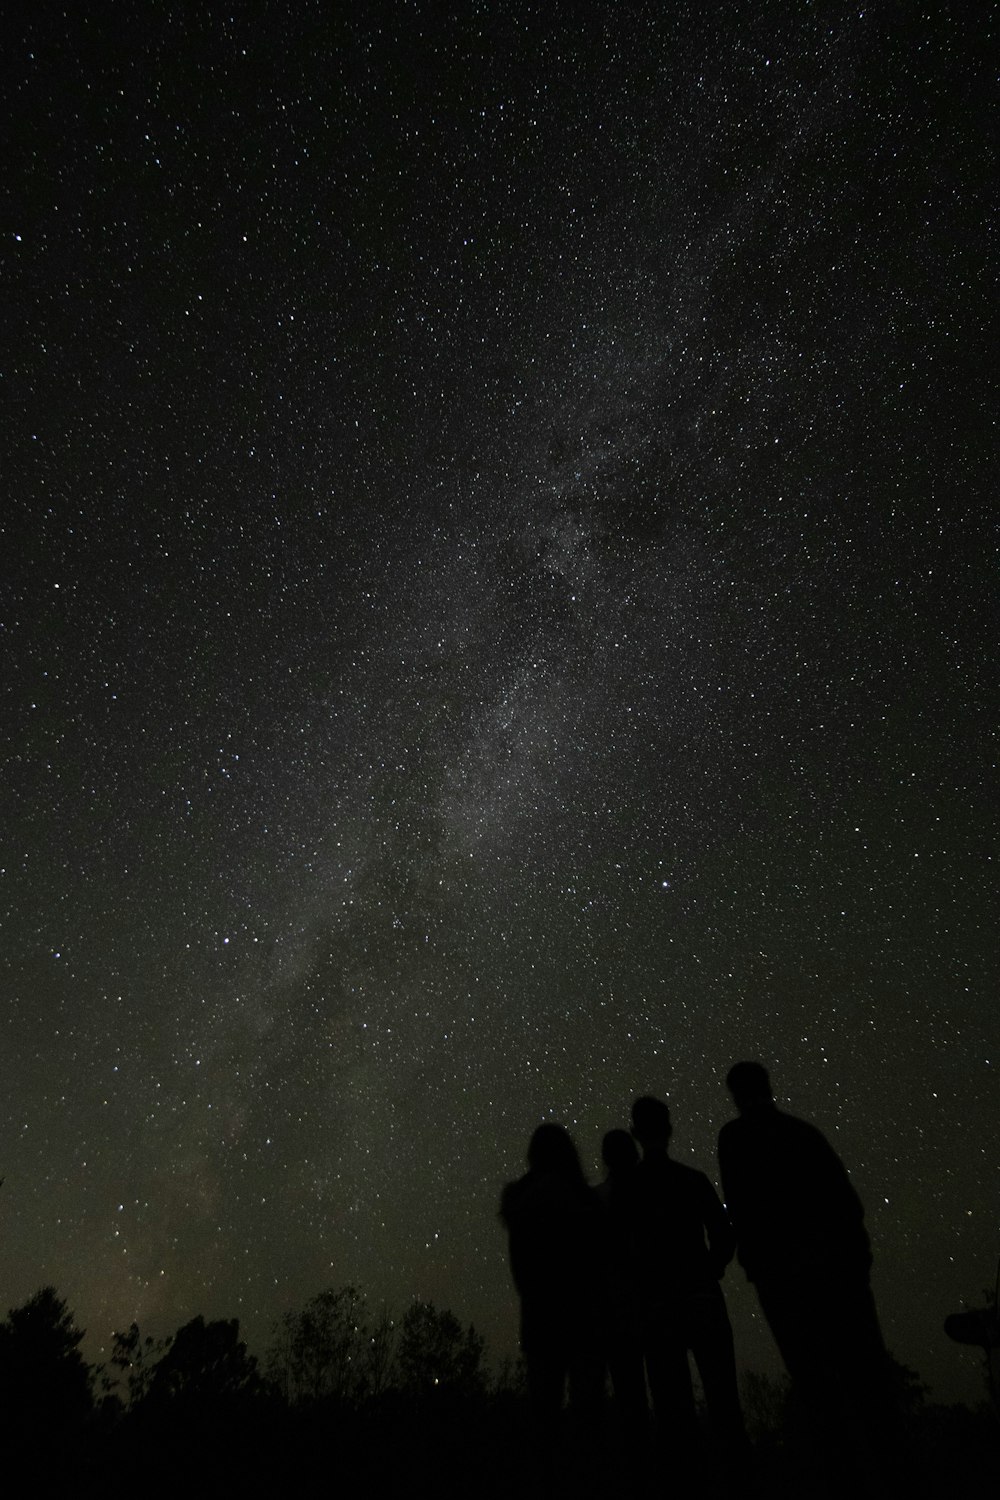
380,1354
434,1353
45,1383
135,1358
980,1326
205,1363
325,1350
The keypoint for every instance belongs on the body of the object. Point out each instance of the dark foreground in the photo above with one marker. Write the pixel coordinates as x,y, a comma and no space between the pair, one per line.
453,1446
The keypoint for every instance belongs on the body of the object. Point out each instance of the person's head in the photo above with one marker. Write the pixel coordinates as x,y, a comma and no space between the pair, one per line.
750,1087
551,1150
651,1123
619,1152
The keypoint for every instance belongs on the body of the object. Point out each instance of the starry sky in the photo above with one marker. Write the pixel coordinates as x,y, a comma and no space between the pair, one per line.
498,615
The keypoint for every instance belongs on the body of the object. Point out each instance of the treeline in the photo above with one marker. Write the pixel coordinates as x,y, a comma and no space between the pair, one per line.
348,1397
342,1393
333,1351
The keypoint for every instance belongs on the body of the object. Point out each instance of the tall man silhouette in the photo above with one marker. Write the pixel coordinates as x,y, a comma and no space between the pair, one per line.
801,1239
682,1242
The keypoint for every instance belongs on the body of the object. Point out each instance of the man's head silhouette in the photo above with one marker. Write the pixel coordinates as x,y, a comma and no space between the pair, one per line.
618,1151
551,1150
750,1087
651,1123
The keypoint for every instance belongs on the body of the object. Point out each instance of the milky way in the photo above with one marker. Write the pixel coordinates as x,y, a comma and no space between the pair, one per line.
499,616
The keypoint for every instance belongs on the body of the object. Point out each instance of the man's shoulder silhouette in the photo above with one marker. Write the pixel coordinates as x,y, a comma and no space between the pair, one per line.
682,1229
790,1196
669,1172
670,1184
778,1144
773,1129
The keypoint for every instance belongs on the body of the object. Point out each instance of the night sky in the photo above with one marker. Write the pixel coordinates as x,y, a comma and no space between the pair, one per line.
498,616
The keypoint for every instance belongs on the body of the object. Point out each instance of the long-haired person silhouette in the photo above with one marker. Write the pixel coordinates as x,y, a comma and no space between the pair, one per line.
555,1226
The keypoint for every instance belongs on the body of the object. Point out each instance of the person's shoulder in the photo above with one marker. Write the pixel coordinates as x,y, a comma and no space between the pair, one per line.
806,1142
649,1178
512,1195
691,1178
508,1195
798,1129
593,1201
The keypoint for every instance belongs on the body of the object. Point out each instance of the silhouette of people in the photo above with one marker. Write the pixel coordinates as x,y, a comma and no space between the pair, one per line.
681,1243
802,1241
558,1250
620,1156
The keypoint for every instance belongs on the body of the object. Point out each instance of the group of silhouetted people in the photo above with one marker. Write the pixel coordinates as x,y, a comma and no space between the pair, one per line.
624,1279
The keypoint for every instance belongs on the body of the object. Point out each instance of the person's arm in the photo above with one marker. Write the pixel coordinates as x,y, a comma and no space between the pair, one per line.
718,1231
845,1213
739,1204
728,1171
